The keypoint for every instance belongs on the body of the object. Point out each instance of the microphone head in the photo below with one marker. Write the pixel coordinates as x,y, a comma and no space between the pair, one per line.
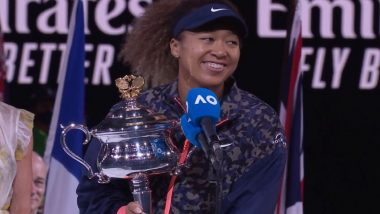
190,130
202,103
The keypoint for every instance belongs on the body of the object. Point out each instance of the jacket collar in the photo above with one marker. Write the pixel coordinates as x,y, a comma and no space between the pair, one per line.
229,105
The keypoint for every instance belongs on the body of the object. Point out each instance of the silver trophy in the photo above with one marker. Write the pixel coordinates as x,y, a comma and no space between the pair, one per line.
135,143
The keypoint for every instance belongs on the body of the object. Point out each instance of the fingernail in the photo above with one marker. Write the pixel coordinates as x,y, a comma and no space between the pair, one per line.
137,210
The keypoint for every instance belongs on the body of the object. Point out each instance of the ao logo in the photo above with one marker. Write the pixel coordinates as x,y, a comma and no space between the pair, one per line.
209,99
200,99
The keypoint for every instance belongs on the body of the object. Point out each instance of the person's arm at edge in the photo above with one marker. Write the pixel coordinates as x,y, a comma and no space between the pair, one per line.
258,189
22,185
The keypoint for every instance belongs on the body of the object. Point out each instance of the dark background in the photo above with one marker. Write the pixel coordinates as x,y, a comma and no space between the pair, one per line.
341,126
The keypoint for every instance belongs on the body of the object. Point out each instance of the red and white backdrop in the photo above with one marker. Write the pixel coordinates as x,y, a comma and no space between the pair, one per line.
340,60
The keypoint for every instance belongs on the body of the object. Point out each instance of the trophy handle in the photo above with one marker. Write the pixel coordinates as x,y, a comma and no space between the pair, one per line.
102,178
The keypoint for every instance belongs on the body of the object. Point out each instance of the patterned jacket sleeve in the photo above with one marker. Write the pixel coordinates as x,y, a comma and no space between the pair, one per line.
101,198
256,191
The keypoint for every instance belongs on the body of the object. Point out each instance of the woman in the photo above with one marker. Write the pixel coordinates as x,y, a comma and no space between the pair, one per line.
188,44
15,159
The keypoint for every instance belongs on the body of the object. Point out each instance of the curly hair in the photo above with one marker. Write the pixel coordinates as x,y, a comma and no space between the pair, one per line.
146,48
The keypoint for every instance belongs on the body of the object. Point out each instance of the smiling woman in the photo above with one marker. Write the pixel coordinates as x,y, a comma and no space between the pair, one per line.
206,59
178,46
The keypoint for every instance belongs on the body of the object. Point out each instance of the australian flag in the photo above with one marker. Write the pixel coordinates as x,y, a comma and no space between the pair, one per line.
291,115
64,172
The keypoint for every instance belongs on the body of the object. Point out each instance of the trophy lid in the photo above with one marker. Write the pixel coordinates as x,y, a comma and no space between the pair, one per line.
129,115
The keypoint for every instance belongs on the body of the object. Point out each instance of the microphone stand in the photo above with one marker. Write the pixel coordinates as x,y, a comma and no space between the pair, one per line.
215,154
216,159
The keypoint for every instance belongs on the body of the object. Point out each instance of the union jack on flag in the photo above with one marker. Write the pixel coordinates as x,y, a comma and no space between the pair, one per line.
291,115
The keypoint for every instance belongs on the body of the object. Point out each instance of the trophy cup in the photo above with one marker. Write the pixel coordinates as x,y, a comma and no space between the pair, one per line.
135,143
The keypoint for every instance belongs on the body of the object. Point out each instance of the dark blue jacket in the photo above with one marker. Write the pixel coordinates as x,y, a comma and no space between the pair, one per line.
252,168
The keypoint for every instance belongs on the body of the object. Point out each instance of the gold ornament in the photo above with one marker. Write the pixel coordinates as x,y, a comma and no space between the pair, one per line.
129,86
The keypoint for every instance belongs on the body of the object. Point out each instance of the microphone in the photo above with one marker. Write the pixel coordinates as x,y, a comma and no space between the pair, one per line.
203,110
193,134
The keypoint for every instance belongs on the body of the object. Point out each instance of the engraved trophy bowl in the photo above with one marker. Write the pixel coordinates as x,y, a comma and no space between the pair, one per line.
134,142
